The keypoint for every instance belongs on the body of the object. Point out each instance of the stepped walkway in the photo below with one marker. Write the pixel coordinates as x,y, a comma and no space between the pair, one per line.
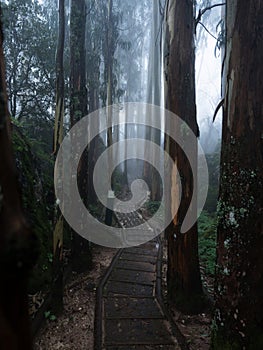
130,313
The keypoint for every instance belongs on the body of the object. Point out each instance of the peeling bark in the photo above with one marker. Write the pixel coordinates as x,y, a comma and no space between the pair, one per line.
57,268
238,321
184,281
81,254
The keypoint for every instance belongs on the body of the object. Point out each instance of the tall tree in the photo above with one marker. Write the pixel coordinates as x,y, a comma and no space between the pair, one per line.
30,63
57,288
154,89
17,243
109,68
238,321
183,275
81,254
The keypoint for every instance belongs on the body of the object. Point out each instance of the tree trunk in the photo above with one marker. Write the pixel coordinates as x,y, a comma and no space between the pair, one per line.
238,320
57,280
183,275
109,102
93,61
81,254
154,94
17,243
110,55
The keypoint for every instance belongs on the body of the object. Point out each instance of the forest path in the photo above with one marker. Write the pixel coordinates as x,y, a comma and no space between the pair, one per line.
130,313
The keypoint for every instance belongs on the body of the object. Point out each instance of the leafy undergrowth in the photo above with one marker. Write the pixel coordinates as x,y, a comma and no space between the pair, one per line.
207,242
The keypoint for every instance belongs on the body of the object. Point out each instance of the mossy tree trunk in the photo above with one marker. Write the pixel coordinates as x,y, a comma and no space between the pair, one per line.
183,275
238,320
17,243
57,279
81,252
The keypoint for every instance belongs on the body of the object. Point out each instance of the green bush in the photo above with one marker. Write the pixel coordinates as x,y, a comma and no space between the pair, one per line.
37,209
207,241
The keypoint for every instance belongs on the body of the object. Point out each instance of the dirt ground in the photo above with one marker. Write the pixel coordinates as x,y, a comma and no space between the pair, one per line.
195,328
74,328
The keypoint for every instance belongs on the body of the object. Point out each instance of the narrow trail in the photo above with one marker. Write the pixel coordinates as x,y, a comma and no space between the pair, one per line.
130,313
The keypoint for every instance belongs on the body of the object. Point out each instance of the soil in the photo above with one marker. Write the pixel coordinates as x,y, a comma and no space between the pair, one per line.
195,328
73,329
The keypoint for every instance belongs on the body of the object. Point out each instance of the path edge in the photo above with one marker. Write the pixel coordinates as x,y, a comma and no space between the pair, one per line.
159,296
98,306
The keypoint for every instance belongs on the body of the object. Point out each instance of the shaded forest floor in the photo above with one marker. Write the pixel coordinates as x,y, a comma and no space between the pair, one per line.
195,328
74,328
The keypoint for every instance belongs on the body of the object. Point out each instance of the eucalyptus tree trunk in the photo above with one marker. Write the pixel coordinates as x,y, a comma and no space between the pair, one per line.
238,320
109,67
81,254
154,95
93,60
57,280
183,275
109,101
17,243
78,95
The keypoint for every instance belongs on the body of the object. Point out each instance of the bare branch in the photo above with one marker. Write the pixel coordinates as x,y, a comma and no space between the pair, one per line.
202,12
208,31
221,103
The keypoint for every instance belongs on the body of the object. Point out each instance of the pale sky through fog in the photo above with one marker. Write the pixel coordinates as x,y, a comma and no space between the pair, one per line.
208,91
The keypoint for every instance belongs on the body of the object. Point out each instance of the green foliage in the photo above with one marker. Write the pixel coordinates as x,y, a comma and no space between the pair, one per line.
213,163
118,181
152,206
49,316
35,205
30,42
97,211
207,241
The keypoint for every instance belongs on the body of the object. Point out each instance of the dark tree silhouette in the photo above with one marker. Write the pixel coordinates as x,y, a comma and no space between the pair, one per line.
17,242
